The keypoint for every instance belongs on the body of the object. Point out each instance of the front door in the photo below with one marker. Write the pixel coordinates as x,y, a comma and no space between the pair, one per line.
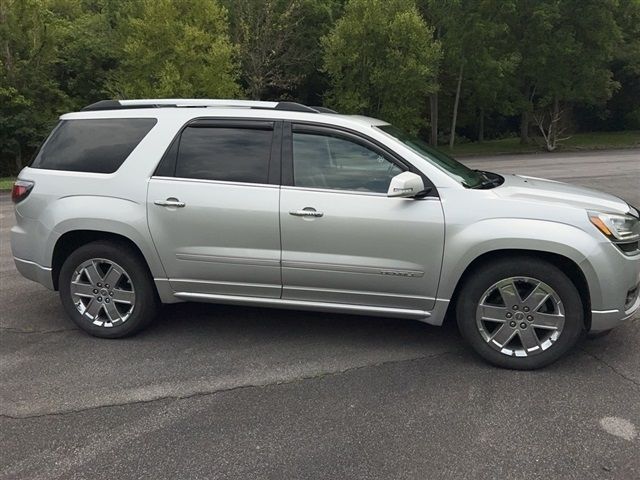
213,209
343,239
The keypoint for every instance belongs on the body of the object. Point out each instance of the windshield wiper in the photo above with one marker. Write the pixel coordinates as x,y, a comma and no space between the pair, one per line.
487,182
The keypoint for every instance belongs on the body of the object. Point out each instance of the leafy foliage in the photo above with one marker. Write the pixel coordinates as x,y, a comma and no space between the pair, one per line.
176,49
382,61
29,54
570,64
279,43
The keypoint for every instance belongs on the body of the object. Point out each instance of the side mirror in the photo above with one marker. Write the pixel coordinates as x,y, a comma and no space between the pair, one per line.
405,184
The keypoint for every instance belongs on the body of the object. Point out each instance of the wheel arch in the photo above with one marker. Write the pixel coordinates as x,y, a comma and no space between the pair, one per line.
70,241
567,265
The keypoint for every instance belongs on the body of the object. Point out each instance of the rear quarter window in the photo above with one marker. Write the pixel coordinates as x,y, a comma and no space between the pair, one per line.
93,145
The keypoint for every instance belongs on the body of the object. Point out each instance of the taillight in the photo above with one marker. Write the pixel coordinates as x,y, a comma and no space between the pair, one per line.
21,190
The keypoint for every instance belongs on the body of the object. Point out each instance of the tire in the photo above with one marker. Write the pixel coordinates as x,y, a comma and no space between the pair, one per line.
99,308
486,320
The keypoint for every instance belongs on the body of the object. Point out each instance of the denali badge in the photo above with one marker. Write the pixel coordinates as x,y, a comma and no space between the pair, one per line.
400,273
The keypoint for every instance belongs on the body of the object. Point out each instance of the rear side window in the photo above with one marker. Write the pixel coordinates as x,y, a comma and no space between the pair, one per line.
227,154
95,145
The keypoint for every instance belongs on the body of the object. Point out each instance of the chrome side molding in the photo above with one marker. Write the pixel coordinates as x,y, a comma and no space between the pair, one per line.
305,305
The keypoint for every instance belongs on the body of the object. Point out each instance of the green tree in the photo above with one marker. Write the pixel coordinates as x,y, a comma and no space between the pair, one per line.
279,43
563,50
30,95
176,49
382,61
488,84
477,60
474,57
626,67
88,47
578,65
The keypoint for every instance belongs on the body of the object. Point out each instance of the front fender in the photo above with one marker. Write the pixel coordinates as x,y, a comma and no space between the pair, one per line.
466,243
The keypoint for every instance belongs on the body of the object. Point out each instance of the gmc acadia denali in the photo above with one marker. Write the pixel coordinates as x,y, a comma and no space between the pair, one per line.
134,203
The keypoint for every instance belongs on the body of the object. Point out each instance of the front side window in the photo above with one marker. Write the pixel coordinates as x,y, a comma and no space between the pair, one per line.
467,177
331,162
92,145
226,154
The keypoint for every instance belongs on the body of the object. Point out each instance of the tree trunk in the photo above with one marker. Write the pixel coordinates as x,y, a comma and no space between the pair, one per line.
554,128
433,100
255,87
524,127
18,160
552,137
550,133
452,138
481,126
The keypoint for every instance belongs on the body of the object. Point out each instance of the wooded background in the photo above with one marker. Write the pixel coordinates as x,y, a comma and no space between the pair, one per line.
481,69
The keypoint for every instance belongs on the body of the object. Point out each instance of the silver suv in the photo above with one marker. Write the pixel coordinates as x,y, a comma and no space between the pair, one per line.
130,204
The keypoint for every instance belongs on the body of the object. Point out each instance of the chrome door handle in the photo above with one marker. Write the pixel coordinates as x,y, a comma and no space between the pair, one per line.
306,212
170,202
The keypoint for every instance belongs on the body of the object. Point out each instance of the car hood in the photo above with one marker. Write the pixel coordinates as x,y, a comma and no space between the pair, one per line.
549,191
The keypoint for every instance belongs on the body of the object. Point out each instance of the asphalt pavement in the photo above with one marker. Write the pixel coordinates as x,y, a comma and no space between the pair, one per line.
232,392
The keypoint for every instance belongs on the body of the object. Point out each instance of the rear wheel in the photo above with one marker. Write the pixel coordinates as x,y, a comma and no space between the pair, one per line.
107,290
520,313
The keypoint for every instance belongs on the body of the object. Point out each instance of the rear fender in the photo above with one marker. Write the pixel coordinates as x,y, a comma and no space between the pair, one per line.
103,214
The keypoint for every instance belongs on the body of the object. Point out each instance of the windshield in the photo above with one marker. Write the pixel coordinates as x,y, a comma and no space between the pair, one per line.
467,177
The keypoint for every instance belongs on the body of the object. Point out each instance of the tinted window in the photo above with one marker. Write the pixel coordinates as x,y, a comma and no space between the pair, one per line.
97,145
468,177
230,154
322,161
167,166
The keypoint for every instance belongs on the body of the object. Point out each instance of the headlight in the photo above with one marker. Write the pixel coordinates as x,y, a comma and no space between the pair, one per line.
616,227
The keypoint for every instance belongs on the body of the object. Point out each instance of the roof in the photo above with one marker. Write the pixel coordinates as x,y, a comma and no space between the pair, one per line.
201,102
186,109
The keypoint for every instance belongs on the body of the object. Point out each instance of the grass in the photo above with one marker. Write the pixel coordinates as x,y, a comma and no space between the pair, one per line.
6,183
579,141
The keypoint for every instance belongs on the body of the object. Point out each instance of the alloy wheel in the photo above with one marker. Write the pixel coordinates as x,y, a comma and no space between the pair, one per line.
102,292
520,316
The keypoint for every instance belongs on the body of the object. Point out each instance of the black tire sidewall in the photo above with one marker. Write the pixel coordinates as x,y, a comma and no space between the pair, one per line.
484,277
146,303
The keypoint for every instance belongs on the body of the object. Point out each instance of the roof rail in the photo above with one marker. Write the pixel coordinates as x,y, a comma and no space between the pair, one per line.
181,102
294,107
323,109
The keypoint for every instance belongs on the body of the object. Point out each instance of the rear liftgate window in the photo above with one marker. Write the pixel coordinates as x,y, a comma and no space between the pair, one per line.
95,145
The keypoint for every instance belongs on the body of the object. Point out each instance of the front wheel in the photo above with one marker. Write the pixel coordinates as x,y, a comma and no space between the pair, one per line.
520,313
107,290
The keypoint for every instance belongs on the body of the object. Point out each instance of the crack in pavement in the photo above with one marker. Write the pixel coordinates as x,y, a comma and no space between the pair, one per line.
231,388
311,376
611,367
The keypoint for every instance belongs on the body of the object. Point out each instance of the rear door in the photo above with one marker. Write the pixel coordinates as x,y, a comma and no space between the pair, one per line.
343,239
213,208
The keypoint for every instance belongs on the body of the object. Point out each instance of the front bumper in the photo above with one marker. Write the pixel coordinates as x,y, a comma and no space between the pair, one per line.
613,278
608,319
619,284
